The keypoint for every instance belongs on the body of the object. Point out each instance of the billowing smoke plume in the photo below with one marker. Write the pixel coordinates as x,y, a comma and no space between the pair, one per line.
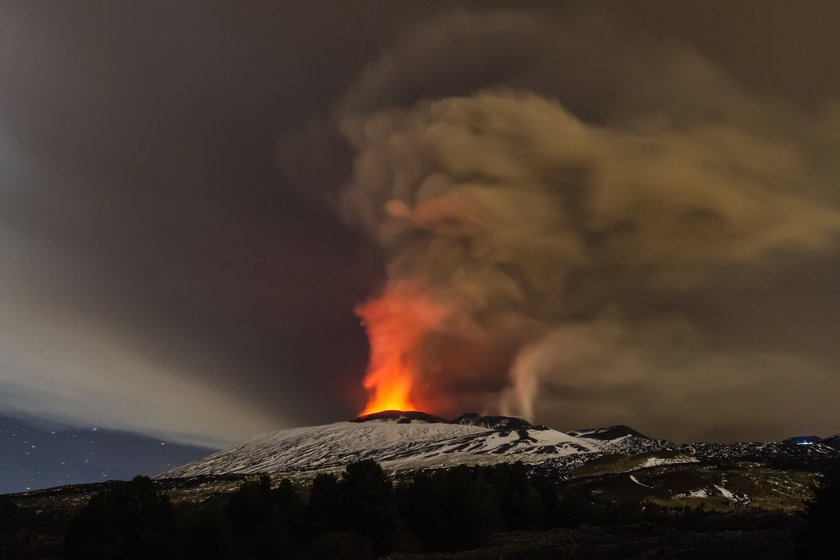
550,199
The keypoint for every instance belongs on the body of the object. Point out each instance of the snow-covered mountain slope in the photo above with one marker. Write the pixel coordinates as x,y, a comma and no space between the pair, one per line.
404,441
397,440
621,439
612,433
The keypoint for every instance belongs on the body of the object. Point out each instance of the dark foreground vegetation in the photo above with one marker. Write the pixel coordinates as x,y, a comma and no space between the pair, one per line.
362,514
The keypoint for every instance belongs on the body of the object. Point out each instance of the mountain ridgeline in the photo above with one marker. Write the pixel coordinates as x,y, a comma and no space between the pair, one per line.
404,441
408,481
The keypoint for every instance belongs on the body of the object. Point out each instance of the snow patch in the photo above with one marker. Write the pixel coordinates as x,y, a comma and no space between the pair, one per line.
725,493
657,461
699,493
636,480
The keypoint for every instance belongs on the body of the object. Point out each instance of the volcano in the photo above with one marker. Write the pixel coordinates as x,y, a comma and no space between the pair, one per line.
399,440
403,441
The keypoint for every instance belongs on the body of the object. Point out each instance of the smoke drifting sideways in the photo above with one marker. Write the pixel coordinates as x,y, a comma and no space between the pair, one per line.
554,202
65,360
72,366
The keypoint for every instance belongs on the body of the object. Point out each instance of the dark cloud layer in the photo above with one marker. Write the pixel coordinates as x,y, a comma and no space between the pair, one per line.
158,274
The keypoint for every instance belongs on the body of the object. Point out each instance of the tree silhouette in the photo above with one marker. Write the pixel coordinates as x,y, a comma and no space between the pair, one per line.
261,518
129,520
324,504
450,509
822,519
367,503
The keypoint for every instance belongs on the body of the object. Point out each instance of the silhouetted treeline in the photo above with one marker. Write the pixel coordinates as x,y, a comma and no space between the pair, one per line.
362,514
130,520
359,514
819,536
27,534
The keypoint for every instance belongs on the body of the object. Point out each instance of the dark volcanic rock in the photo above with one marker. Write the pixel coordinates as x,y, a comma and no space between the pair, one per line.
494,422
401,417
833,441
608,434
469,419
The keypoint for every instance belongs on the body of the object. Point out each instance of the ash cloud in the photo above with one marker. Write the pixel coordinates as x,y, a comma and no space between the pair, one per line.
572,195
157,274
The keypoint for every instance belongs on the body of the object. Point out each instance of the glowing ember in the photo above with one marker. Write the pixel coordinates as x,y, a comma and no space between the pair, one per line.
397,325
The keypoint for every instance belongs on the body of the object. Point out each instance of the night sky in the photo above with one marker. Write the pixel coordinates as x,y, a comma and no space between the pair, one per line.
192,206
36,454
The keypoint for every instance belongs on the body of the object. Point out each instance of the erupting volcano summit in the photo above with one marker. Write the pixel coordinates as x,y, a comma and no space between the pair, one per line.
399,440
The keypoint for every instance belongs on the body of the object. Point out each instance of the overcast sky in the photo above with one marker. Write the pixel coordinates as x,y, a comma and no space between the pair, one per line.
170,264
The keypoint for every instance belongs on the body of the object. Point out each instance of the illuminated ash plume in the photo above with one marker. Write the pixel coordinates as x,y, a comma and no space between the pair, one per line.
527,246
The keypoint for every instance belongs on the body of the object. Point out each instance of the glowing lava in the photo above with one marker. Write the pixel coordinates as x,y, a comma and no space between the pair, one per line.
391,390
397,324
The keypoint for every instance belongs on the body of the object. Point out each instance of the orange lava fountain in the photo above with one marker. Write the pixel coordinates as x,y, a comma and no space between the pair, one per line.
397,326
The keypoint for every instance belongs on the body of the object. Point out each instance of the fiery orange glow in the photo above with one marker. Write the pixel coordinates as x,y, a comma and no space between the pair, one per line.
397,325
390,390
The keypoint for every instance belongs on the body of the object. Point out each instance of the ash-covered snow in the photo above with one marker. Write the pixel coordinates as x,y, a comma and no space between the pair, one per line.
658,461
622,439
724,492
404,441
613,433
397,440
